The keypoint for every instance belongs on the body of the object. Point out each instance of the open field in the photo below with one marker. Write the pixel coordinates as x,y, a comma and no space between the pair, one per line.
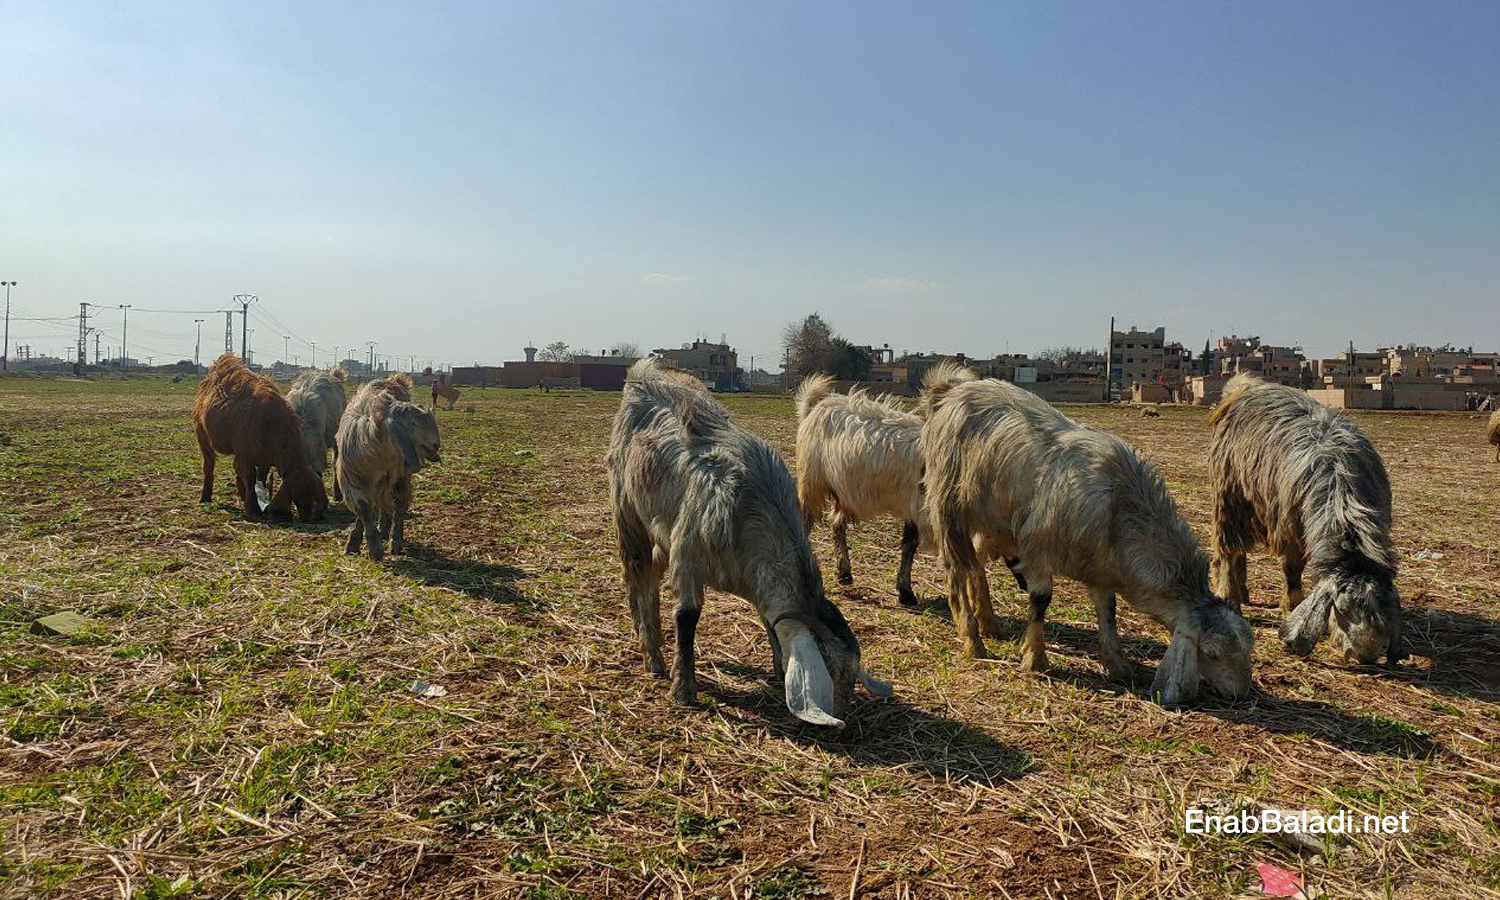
238,719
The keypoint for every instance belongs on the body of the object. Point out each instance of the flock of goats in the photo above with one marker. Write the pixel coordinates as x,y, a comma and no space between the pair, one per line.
981,470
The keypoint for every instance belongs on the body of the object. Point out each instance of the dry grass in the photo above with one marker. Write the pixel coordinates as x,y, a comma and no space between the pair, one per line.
239,720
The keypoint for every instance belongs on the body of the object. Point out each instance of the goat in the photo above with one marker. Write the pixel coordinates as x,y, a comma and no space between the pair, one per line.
240,413
1493,432
318,399
1009,472
1298,477
693,492
441,387
864,454
383,438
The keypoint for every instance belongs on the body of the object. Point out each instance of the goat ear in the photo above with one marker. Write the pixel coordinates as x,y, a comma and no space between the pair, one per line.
1176,681
404,443
809,689
1308,623
875,686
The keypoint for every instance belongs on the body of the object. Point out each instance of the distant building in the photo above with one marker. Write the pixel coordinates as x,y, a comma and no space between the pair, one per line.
716,365
1136,355
1283,365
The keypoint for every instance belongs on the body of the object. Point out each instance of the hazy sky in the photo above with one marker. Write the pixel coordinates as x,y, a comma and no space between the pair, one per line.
454,180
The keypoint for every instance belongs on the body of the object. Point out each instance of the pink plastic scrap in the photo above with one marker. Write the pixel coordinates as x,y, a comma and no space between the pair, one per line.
1278,882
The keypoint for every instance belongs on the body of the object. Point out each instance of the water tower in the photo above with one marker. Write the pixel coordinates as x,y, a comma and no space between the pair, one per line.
530,354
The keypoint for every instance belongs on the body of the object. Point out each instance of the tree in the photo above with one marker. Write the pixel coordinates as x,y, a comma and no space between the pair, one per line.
849,362
557,351
809,346
625,348
1059,355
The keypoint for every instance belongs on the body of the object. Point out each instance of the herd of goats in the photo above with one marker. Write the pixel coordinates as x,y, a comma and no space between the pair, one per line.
981,470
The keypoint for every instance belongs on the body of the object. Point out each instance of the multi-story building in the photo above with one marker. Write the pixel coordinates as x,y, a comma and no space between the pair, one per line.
716,365
1136,355
1283,365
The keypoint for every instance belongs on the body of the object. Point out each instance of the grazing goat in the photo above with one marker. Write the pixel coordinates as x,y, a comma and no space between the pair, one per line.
318,399
1009,472
383,438
243,414
1494,432
1298,477
694,492
864,454
441,387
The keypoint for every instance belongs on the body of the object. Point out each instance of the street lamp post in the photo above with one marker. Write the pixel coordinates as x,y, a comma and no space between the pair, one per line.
124,331
5,347
197,345
314,354
373,345
286,347
249,346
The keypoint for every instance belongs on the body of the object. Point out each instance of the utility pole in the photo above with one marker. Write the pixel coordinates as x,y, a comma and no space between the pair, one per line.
96,346
83,339
228,331
197,345
286,347
124,331
1109,362
245,338
373,345
244,300
315,353
5,347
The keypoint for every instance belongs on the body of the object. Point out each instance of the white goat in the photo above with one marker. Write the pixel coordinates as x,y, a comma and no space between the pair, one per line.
318,399
1006,468
693,491
864,454
383,438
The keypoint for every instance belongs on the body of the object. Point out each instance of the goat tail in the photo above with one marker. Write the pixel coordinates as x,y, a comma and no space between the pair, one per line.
1237,385
812,391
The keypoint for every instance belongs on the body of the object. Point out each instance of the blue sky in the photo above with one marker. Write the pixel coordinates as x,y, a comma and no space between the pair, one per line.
454,180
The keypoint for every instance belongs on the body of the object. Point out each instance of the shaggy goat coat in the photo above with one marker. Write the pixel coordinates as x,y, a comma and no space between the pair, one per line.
694,493
1006,468
383,439
1494,432
865,455
243,414
1292,474
318,399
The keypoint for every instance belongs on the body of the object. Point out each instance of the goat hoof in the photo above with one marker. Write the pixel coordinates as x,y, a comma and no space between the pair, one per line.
907,597
1117,670
989,626
1034,660
846,578
685,694
976,650
656,666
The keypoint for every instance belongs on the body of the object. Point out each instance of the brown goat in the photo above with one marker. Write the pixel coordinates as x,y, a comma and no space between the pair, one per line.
243,414
442,387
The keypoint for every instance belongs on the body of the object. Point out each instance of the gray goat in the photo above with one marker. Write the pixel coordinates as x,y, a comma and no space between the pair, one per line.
694,493
1290,473
383,438
318,399
1009,472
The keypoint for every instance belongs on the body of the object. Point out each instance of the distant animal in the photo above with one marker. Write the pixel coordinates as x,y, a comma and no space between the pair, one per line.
442,388
1006,468
1148,412
865,455
548,383
1493,433
695,495
241,413
318,398
1292,474
383,438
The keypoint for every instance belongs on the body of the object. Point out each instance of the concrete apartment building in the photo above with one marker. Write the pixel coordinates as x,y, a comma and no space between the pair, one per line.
1136,355
1283,365
716,365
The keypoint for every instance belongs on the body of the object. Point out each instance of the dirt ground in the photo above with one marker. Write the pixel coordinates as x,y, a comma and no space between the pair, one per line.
239,719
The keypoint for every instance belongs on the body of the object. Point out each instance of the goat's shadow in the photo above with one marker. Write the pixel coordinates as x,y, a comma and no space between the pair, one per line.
881,733
1463,650
488,581
1363,733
